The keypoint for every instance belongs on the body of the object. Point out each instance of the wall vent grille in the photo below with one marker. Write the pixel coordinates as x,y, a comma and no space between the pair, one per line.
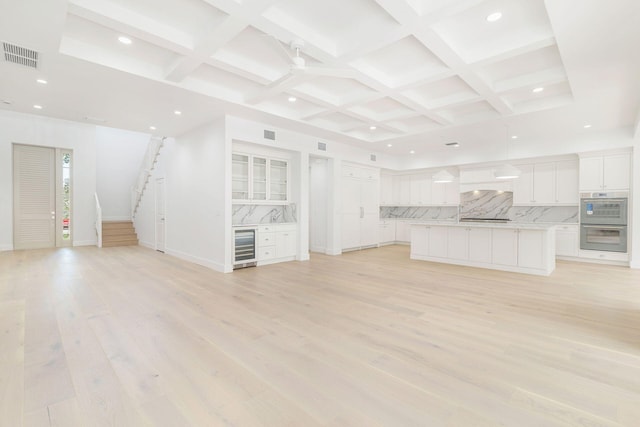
270,134
373,157
322,146
20,55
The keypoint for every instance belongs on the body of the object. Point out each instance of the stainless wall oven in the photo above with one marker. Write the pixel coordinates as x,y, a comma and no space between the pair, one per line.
603,221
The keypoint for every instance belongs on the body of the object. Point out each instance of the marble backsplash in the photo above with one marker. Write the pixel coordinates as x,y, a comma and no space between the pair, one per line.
425,213
485,204
263,214
499,204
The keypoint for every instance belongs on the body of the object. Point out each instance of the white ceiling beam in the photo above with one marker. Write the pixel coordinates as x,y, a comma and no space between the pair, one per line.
206,46
451,59
134,24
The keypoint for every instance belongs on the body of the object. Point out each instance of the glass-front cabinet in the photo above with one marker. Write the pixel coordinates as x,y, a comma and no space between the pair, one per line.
259,179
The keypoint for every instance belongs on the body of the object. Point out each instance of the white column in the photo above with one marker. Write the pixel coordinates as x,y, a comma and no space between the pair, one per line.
634,202
302,174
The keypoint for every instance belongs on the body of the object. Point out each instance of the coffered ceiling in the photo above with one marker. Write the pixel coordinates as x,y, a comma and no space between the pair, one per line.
407,73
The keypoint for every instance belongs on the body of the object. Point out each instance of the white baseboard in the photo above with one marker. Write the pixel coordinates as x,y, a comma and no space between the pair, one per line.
6,247
147,244
85,242
197,260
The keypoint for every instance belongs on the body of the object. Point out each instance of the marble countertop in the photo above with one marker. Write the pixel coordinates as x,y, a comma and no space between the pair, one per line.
262,224
508,225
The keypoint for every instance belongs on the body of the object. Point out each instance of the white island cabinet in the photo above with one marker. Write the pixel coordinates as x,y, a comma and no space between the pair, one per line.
523,248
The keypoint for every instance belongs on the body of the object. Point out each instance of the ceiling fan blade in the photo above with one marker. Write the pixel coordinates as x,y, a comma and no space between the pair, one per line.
286,55
344,73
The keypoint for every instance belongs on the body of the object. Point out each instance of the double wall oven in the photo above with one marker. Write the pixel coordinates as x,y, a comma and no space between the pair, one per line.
603,221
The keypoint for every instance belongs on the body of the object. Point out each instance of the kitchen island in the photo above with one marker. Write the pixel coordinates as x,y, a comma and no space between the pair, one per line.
522,248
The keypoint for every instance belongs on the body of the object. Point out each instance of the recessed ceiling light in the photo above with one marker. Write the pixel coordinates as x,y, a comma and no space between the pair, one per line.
537,90
587,126
373,127
514,136
177,112
37,107
412,152
6,101
389,145
453,144
124,40
495,16
42,81
152,127
292,99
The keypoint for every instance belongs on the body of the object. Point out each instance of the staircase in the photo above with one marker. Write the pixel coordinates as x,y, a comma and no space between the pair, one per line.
118,233
148,164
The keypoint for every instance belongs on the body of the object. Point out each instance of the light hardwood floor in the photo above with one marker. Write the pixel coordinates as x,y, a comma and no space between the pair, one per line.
128,337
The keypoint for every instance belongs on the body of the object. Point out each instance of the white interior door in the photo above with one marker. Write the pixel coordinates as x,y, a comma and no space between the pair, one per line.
160,215
34,197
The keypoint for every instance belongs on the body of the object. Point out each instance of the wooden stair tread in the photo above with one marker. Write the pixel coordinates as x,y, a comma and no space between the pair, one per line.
118,233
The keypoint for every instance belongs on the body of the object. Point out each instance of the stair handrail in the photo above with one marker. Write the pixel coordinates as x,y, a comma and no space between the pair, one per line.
150,157
98,220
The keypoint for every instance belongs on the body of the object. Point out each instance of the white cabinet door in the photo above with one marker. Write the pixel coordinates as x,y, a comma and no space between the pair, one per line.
350,230
567,182
567,240
591,173
387,231
445,193
480,244
458,244
544,184
368,197
504,246
616,172
531,248
285,243
369,228
438,237
386,189
417,191
420,240
404,197
452,193
403,230
523,186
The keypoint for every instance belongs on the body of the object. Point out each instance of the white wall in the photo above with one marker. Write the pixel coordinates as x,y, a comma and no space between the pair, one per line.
119,158
198,208
43,131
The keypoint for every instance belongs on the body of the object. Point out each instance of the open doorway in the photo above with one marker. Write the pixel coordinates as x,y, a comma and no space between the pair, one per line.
319,181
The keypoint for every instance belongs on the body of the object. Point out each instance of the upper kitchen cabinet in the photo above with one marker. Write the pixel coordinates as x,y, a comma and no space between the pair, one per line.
259,179
605,172
386,189
445,193
547,184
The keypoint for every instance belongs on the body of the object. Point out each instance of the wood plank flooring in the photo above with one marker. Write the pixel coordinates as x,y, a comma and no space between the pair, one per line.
127,336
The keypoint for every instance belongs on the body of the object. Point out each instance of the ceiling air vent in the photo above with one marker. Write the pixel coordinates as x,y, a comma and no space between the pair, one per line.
373,157
20,55
322,146
270,134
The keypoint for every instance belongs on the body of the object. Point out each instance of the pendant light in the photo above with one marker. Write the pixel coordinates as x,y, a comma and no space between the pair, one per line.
507,170
442,176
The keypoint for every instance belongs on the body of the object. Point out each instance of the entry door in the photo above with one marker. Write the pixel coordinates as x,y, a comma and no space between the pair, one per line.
160,228
34,197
